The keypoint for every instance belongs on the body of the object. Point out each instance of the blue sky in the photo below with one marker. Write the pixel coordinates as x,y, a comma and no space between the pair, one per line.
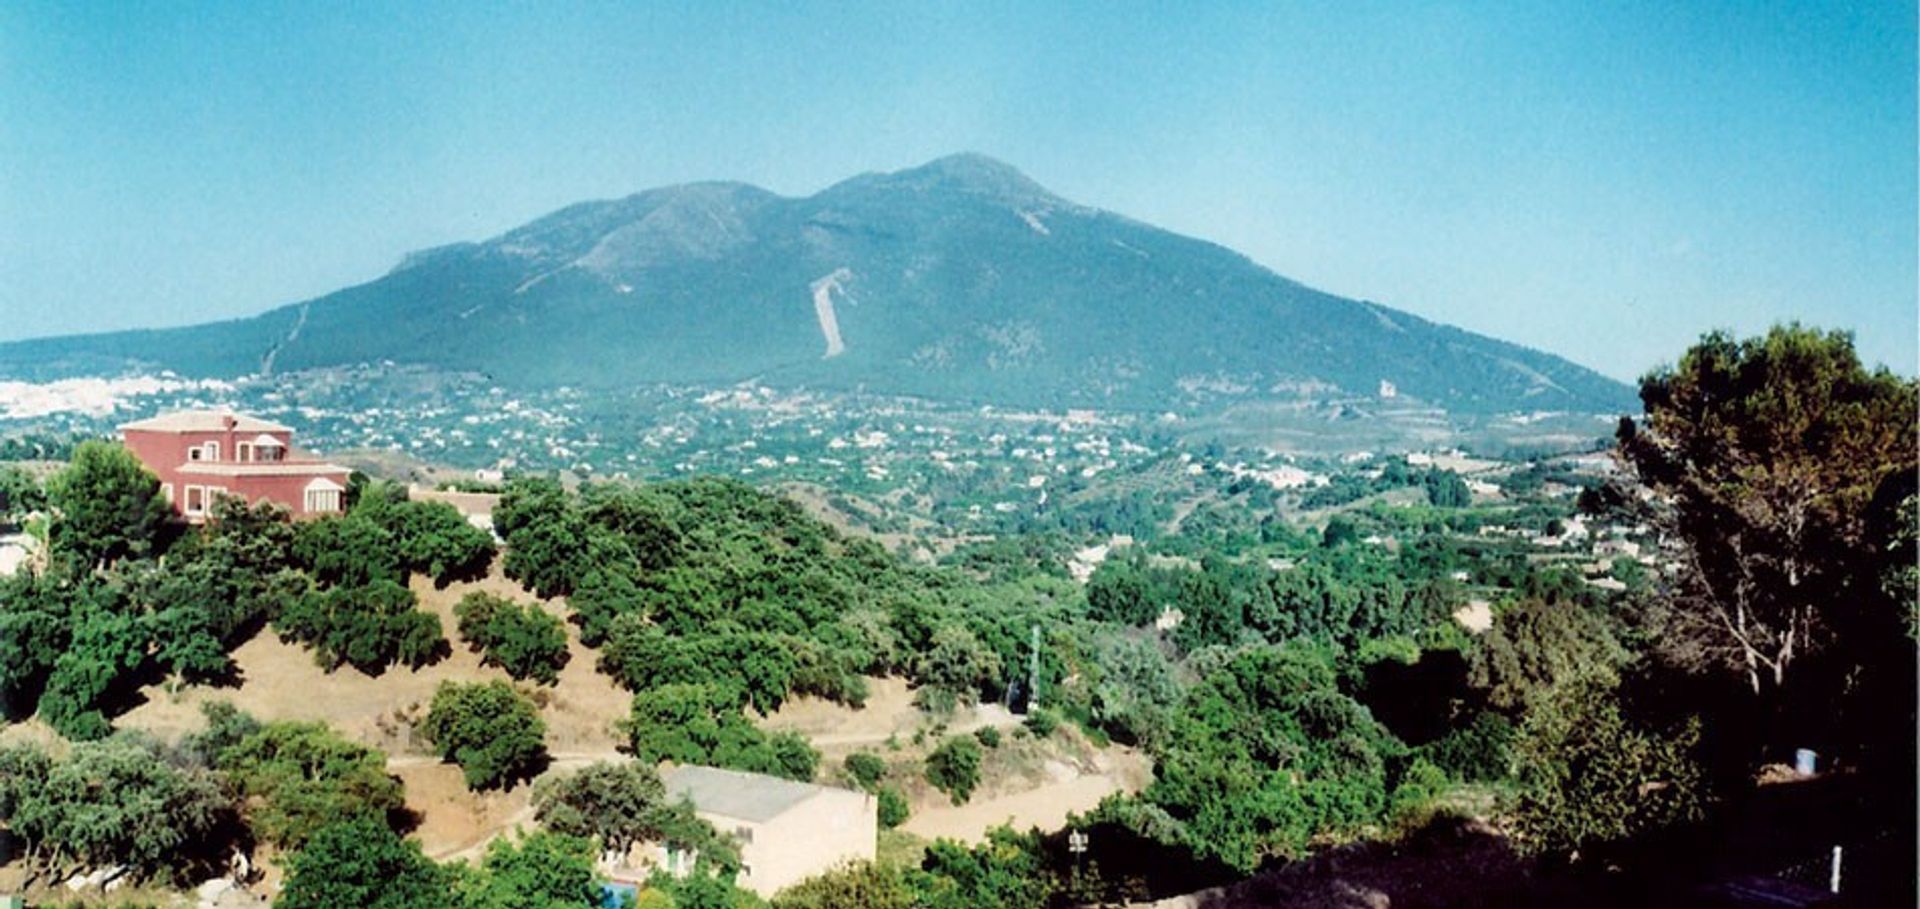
1604,181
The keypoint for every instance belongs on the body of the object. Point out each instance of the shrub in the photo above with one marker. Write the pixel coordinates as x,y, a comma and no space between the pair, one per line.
1478,752
1417,791
954,768
893,808
865,769
863,885
1041,722
988,736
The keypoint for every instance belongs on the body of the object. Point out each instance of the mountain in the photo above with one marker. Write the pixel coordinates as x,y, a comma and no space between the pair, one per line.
960,279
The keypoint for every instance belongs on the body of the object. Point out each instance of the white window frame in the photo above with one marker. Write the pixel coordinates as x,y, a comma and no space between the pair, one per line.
320,501
212,449
243,452
193,495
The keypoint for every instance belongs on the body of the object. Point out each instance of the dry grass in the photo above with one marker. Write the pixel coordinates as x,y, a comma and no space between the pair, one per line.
280,681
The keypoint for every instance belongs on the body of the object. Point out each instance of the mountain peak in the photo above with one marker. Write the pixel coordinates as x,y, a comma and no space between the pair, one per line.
971,173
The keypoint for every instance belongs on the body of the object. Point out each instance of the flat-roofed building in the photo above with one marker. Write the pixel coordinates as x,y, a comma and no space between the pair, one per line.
787,831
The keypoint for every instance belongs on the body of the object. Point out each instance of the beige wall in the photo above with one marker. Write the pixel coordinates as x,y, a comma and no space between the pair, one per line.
833,827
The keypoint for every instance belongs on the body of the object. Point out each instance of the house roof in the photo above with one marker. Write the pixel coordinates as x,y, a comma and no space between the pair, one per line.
731,793
203,421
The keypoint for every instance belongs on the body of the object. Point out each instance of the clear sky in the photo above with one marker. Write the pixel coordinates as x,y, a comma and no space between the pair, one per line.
1601,180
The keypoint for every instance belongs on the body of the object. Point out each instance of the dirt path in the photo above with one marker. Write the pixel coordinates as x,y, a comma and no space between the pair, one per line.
456,823
889,713
1046,808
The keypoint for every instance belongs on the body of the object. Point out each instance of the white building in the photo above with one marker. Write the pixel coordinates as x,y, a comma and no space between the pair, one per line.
786,831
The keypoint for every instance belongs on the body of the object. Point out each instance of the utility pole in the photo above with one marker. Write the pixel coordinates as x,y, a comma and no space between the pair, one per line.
1033,671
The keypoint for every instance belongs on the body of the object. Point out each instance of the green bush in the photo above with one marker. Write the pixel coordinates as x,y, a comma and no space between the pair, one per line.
1479,752
492,731
988,736
1041,722
865,769
893,808
954,768
863,885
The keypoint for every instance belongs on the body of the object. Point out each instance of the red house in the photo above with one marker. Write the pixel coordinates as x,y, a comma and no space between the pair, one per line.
200,454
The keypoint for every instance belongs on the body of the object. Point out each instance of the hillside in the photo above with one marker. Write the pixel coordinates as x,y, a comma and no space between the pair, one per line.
958,280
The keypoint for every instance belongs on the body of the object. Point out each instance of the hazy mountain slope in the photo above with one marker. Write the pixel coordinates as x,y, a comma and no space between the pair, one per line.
958,279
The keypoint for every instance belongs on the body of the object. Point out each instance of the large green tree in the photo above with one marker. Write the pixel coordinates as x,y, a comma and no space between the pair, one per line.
520,638
114,802
623,805
106,505
493,732
362,862
299,777
1770,451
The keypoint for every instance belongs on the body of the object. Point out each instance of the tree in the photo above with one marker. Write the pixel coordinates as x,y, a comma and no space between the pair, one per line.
1535,642
20,495
1340,531
544,870
107,645
35,628
362,862
702,724
1588,774
957,665
618,804
492,731
954,768
299,777
1445,489
430,537
370,627
520,638
1770,450
112,802
349,551
623,805
106,505
861,885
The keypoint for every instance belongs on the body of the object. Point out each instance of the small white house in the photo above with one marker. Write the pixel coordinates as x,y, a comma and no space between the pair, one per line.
787,831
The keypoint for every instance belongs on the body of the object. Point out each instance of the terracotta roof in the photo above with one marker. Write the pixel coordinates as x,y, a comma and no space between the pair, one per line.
204,421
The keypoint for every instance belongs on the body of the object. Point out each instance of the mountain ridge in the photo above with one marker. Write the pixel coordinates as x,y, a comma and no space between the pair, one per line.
960,278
